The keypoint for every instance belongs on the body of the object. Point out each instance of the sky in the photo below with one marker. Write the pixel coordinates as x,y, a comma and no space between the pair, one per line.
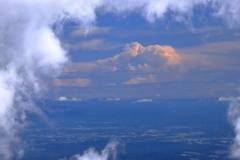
128,49
128,56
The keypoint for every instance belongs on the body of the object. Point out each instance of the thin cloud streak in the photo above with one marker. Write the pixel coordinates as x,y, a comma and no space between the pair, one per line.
80,82
89,30
93,44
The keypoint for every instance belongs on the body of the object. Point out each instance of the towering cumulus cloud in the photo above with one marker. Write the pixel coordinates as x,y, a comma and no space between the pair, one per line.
31,52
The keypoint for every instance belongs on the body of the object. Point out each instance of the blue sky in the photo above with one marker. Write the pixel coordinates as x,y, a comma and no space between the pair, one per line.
126,56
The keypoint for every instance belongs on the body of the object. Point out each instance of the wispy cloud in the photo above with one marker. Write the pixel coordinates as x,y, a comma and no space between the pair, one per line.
219,56
144,100
234,118
137,80
80,82
113,99
109,152
93,44
89,30
228,98
217,48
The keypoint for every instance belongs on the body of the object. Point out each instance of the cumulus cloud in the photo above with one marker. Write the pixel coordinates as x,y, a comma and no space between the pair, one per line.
156,63
80,82
135,57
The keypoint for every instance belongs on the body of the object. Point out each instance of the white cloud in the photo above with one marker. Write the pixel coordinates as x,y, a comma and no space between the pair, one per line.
155,63
182,10
228,98
234,118
68,99
109,152
137,57
113,99
144,100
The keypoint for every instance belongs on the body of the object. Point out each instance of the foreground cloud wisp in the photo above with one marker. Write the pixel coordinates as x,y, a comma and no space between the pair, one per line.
181,10
110,151
31,52
234,118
